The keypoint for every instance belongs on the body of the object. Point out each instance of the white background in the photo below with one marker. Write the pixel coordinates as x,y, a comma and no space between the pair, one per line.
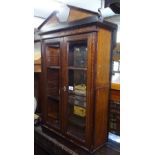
137,78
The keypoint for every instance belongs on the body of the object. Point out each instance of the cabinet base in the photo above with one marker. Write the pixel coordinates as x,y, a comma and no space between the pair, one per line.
64,141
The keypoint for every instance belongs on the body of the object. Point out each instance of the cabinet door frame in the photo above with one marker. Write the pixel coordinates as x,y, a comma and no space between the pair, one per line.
90,37
45,44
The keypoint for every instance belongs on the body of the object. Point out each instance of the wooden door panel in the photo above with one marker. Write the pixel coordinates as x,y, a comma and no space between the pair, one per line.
79,77
51,56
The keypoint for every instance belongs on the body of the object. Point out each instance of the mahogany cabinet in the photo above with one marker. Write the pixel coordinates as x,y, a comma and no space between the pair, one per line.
76,58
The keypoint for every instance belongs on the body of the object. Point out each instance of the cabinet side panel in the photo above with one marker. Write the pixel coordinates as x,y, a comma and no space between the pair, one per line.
102,86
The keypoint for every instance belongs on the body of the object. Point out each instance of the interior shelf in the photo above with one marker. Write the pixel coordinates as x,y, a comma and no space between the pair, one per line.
53,67
77,121
56,98
76,133
53,115
72,104
77,94
77,68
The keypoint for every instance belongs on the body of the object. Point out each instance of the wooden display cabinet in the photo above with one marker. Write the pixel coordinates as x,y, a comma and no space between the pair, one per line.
76,58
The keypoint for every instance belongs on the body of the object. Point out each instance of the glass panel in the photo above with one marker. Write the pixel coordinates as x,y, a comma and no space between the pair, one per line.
77,57
116,64
53,94
77,103
37,57
37,47
77,87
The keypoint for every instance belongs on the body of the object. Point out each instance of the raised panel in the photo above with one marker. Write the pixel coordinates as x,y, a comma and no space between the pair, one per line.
103,57
101,116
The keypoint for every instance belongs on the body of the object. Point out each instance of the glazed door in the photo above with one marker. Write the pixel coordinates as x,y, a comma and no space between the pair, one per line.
51,57
78,87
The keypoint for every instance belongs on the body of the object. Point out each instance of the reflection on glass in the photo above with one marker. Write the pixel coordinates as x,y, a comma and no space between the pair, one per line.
77,89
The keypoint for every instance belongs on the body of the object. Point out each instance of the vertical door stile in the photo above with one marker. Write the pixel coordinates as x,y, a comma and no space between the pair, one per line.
60,84
63,84
44,74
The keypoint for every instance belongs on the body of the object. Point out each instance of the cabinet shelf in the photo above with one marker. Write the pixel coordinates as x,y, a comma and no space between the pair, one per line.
77,94
76,133
53,116
53,67
72,104
77,121
77,68
56,98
